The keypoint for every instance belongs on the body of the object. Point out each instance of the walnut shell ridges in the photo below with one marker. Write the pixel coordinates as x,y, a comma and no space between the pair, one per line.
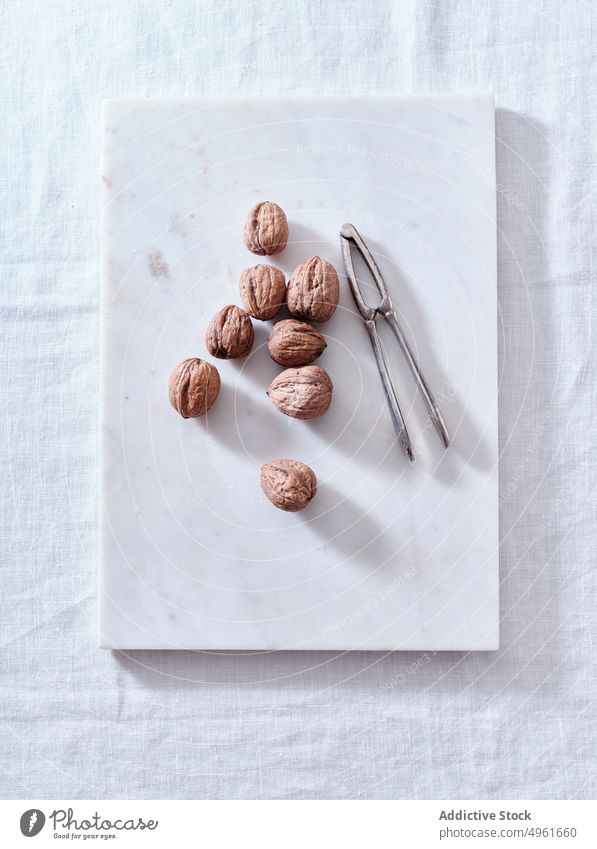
266,229
295,343
288,484
303,393
313,290
262,291
193,387
229,334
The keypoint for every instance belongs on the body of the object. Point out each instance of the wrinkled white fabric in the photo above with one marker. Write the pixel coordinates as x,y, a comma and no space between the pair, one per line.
76,721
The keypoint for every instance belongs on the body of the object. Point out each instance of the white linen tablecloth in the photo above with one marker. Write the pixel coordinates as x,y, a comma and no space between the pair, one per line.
76,721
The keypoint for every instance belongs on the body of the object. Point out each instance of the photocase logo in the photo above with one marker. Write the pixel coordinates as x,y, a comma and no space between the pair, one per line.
32,822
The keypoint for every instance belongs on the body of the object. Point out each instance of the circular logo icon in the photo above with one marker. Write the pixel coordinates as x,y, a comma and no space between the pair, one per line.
32,822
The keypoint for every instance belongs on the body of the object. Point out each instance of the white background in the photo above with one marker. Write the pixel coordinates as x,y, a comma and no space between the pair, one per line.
79,722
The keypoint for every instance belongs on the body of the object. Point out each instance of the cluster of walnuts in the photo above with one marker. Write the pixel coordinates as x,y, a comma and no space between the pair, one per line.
302,390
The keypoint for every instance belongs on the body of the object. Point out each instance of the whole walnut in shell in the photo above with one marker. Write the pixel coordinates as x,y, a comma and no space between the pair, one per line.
289,484
303,393
295,343
262,291
229,334
313,290
194,386
266,229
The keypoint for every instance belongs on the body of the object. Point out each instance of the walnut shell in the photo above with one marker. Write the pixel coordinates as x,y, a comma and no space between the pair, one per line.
262,291
313,290
289,484
303,393
229,334
295,343
194,386
266,229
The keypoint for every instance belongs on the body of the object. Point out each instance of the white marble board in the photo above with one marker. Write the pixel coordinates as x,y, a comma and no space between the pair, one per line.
388,555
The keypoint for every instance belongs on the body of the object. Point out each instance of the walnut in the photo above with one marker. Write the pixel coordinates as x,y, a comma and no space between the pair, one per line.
194,386
229,334
262,291
288,484
295,343
313,290
266,229
303,393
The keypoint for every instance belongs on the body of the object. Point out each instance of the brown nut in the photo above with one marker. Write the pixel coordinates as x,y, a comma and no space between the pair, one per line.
266,229
194,386
303,393
289,484
313,290
229,334
262,291
295,343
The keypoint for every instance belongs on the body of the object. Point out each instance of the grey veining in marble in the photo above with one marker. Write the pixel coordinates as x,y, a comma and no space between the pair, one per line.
388,555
